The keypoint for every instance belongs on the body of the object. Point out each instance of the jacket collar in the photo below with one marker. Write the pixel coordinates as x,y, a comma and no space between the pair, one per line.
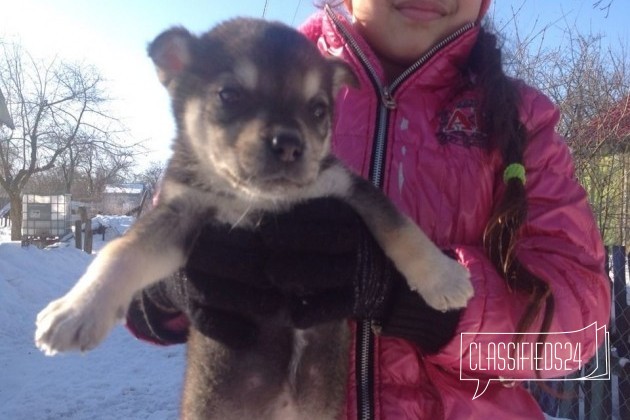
440,67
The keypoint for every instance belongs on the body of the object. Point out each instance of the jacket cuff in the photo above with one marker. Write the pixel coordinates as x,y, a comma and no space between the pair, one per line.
153,322
411,318
373,282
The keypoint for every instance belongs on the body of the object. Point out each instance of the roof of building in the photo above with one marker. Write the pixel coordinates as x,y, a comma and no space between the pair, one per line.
124,189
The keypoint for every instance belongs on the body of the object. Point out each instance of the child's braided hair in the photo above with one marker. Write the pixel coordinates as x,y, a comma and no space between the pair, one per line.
500,113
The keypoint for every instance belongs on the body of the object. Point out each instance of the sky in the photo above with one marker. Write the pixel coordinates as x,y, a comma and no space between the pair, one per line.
113,35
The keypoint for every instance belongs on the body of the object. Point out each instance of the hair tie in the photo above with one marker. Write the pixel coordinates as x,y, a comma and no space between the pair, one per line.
514,170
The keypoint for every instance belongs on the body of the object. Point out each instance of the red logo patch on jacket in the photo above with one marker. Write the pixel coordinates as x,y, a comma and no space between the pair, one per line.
458,124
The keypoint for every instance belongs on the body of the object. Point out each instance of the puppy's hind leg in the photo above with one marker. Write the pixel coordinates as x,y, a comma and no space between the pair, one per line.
227,383
443,283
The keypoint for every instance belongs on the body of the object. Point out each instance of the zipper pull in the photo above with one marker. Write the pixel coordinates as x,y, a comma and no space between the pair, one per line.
387,99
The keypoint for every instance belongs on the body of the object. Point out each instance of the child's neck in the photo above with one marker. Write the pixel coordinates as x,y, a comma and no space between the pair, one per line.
392,70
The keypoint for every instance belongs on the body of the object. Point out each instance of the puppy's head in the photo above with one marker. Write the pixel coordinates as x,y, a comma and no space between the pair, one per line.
253,100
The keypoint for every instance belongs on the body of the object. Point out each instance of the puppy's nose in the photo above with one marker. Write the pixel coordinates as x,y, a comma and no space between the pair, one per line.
287,147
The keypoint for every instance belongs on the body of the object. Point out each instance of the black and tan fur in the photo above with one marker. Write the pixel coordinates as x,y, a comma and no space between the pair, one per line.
253,103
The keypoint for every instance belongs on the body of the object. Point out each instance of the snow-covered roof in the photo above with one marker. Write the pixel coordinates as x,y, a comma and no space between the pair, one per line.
124,189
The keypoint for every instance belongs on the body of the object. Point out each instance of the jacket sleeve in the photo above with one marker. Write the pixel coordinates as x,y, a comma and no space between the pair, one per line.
153,318
560,244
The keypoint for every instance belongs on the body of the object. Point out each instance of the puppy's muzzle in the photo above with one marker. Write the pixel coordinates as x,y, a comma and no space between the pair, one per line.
286,145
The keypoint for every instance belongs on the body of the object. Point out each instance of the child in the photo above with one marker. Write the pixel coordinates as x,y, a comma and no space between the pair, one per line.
472,156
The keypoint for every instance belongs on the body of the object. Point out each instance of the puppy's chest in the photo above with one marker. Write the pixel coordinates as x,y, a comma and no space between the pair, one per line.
236,211
229,208
243,207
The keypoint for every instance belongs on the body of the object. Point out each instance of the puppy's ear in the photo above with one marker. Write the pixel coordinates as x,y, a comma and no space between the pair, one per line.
343,75
171,53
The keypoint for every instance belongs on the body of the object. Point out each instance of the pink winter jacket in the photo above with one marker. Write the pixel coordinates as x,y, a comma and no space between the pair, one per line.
418,140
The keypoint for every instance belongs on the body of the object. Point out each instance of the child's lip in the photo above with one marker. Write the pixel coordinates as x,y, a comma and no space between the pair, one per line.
421,10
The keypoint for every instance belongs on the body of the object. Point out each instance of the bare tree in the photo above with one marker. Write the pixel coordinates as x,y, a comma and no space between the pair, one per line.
100,169
53,105
603,5
152,175
95,161
590,82
85,173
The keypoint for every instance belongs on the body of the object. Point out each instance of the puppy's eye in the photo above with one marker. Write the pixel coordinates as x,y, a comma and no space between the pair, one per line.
230,95
319,110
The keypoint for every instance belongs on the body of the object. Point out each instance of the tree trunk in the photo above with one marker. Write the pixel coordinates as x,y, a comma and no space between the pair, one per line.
16,215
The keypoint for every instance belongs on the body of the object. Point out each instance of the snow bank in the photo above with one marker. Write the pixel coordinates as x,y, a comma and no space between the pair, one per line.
122,379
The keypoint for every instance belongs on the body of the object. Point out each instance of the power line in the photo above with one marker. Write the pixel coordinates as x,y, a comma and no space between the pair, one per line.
296,11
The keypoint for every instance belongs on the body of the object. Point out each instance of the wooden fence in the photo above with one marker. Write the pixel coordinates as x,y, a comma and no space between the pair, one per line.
600,399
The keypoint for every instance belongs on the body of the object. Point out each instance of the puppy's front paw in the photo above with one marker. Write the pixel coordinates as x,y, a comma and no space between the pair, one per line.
78,321
446,286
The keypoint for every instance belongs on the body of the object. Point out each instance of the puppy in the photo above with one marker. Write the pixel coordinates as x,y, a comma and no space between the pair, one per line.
252,102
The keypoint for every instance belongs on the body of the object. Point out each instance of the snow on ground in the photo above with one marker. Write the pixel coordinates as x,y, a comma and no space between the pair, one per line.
122,379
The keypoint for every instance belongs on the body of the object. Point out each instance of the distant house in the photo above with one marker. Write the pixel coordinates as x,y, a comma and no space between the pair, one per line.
605,170
610,130
122,198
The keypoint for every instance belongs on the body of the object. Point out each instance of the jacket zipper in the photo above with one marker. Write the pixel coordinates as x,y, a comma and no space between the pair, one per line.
365,332
387,101
420,62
